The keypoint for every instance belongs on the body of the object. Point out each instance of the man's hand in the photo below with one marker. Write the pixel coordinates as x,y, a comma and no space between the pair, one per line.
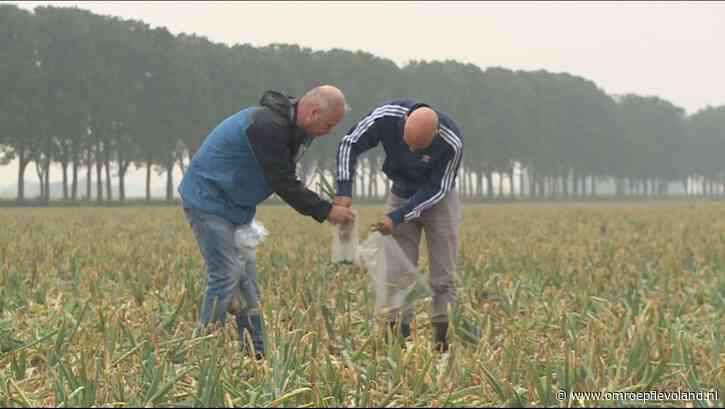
340,215
345,201
387,226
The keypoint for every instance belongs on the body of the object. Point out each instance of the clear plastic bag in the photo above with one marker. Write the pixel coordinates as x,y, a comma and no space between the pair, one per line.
396,280
250,235
345,243
247,237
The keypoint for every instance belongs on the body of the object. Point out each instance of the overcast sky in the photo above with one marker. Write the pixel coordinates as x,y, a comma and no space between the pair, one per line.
675,50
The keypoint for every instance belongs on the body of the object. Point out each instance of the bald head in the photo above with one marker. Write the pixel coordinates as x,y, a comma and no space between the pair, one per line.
320,109
420,128
330,99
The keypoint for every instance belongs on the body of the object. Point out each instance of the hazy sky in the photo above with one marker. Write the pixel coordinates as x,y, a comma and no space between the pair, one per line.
675,50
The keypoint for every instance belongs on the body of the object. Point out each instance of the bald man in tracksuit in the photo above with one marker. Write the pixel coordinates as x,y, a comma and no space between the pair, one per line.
423,149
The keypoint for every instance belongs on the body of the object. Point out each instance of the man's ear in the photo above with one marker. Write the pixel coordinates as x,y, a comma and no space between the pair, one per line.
315,113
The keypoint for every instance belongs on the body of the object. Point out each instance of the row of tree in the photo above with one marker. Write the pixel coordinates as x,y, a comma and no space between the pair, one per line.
100,94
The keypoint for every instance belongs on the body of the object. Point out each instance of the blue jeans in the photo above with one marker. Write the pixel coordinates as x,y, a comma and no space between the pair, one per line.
231,268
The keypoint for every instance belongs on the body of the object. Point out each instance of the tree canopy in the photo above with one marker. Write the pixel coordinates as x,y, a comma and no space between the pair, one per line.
103,94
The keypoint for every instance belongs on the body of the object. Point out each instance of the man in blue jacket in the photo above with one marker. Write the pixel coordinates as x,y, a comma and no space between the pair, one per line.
245,159
423,149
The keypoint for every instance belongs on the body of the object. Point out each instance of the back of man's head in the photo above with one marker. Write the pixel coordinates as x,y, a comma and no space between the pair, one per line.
328,98
321,108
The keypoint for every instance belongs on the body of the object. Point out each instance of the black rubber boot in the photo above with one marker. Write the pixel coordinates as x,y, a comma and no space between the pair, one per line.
402,332
440,336
253,324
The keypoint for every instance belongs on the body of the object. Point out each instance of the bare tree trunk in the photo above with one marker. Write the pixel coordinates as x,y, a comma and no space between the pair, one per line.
89,176
99,174
371,179
512,192
542,186
489,182
521,183
619,187
657,184
551,187
107,165
463,191
463,181
500,184
532,184
122,168
695,186
704,187
360,183
182,165
148,181
381,160
560,180
64,165
22,165
46,193
643,183
629,190
648,187
634,188
170,181
554,182
41,181
473,182
685,185
74,182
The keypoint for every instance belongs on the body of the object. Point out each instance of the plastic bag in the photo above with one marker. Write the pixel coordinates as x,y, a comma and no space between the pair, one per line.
345,243
247,237
397,282
250,235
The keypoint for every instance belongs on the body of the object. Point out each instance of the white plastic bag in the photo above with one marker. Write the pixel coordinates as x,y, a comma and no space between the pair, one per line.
345,243
250,235
247,237
396,280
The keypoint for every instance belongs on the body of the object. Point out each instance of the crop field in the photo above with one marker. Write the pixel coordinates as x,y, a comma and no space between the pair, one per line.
98,307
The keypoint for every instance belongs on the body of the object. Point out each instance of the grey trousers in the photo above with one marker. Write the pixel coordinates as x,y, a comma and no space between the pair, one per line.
441,224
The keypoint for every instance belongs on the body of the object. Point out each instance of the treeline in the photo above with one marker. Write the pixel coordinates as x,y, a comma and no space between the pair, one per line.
98,94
